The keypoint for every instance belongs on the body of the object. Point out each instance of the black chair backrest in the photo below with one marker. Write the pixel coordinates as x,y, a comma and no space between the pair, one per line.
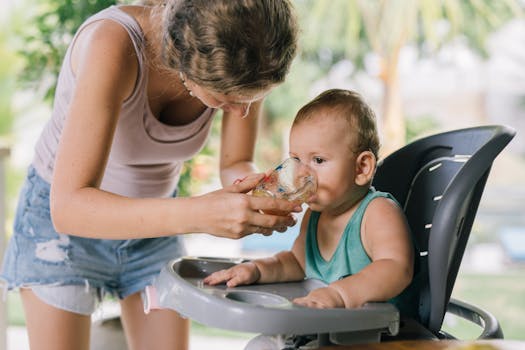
439,181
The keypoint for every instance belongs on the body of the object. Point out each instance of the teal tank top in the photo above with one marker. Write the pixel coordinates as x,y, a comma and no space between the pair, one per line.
350,256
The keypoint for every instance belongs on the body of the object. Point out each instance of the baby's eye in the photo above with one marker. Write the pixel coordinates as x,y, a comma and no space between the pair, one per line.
296,158
318,160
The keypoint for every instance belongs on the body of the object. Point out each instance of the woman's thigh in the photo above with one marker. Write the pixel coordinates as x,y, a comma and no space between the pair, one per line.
52,328
160,329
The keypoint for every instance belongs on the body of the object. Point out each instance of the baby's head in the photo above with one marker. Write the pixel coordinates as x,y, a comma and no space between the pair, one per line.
336,135
351,108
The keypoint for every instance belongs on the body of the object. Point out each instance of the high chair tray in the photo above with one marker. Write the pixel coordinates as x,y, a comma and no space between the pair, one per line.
263,308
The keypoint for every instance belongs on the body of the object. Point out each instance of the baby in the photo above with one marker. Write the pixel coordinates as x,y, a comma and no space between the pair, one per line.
352,237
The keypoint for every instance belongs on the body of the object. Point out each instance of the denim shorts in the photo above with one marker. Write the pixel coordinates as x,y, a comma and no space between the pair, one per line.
72,273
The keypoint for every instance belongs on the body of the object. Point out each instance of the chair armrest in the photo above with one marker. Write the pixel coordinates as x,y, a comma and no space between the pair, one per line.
487,321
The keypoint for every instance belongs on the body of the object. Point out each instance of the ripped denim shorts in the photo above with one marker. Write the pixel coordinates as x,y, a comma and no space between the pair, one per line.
73,273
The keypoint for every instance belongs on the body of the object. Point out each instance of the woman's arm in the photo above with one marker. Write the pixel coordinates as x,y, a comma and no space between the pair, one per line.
238,137
105,67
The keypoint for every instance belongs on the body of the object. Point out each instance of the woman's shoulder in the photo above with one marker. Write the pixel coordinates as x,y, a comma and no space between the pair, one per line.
104,31
103,52
117,28
105,38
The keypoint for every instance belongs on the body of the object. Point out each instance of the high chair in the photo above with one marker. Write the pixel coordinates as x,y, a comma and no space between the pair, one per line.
438,180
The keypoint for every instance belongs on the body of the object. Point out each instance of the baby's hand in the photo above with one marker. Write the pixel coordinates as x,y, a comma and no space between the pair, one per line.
321,298
245,273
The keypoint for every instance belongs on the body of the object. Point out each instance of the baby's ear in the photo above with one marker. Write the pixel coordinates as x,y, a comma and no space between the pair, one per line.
365,168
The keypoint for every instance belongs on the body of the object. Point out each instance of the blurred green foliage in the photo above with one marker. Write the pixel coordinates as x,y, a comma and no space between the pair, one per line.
47,39
7,85
8,70
337,29
422,125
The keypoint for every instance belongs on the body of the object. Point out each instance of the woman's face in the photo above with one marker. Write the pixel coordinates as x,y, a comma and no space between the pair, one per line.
324,143
236,104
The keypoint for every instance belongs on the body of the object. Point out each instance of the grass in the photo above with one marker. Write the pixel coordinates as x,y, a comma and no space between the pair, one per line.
200,329
15,311
503,295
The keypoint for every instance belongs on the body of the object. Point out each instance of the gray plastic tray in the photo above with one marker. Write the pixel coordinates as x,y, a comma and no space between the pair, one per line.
265,308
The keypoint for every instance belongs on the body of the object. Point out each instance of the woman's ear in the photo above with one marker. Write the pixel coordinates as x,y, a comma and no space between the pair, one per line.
365,168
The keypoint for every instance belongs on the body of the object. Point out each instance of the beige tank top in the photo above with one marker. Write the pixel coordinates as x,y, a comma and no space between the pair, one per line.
146,155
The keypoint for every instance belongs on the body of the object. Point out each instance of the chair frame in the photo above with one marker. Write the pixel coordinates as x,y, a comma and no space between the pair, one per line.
452,218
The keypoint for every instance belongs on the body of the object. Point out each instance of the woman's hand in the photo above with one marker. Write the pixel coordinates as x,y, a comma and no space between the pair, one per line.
232,213
321,298
245,273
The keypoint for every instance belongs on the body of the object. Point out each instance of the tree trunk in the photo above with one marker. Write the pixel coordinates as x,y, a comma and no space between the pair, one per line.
392,125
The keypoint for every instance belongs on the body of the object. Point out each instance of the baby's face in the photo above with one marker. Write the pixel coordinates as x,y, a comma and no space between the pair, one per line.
324,143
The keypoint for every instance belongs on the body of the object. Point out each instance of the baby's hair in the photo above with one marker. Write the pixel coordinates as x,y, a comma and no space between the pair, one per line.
230,46
352,107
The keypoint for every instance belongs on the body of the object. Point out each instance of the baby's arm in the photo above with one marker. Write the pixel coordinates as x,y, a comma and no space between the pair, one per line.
279,268
386,238
245,273
282,267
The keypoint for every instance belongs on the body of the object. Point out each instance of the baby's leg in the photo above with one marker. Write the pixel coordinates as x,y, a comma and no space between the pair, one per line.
265,342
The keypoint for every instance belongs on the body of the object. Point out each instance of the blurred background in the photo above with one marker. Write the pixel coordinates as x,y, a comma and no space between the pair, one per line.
425,66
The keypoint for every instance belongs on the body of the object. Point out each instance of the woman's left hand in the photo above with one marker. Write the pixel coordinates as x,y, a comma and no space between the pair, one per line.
231,213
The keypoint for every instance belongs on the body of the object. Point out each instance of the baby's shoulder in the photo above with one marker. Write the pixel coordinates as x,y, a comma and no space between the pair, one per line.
380,205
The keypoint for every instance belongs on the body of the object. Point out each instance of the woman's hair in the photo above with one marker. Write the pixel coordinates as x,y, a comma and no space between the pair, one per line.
350,106
230,46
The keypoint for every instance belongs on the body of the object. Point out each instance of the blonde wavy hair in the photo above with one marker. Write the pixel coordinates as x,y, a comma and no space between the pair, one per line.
229,46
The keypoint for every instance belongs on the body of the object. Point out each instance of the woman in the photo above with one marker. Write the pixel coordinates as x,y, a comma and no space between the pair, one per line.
135,98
